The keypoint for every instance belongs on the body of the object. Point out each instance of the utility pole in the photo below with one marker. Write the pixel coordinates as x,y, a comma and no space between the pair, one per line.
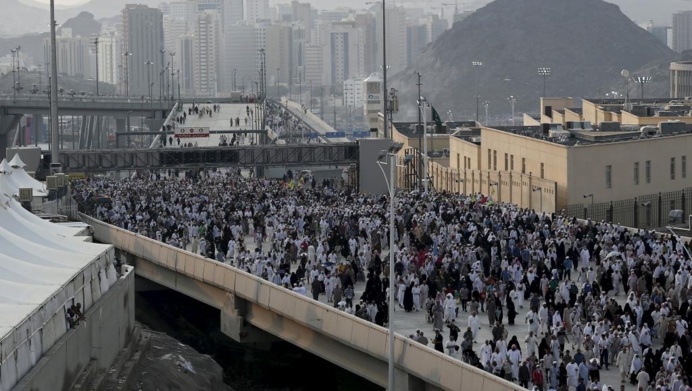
96,49
420,136
55,153
19,68
322,103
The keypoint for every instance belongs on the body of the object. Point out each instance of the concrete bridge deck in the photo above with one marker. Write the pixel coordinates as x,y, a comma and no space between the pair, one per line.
247,301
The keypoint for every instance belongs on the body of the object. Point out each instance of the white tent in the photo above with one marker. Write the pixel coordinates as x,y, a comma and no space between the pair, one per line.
23,179
44,269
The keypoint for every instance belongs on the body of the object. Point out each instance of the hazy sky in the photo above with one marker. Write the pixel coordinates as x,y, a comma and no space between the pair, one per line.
639,10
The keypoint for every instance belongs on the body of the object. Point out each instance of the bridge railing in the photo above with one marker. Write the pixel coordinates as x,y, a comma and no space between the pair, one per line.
418,360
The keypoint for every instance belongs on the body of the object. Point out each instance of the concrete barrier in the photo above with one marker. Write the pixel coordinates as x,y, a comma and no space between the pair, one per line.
432,367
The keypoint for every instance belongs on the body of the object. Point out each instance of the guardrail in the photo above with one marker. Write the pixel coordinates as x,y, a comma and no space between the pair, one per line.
413,358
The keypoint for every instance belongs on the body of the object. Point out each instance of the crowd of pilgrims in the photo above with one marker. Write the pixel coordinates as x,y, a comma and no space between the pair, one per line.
591,295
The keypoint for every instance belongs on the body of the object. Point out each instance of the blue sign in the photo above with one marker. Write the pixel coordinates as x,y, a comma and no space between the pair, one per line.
361,134
335,134
313,135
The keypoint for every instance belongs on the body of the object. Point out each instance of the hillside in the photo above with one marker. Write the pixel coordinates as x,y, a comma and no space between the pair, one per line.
586,43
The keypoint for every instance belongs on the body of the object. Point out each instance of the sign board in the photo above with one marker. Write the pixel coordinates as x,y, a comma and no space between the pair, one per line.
335,134
26,194
313,135
361,134
373,97
188,132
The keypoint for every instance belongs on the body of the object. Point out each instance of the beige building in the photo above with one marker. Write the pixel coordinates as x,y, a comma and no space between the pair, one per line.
562,158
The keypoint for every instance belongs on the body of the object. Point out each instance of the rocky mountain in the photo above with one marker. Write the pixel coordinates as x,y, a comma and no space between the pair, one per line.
586,43
24,19
32,44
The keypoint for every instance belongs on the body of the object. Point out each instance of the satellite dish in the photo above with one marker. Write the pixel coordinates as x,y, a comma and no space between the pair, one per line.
625,73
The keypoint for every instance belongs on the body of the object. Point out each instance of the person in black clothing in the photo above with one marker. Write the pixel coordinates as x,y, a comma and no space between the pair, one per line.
438,341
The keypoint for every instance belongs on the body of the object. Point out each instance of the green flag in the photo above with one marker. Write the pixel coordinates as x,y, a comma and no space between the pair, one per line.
436,118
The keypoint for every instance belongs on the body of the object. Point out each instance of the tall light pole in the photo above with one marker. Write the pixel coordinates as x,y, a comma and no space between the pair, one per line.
386,128
14,76
545,72
420,135
170,89
486,104
476,65
641,80
127,73
278,95
423,107
512,100
19,68
391,154
96,50
55,153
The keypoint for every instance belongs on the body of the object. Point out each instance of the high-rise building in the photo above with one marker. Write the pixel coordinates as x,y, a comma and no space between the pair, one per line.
279,48
435,26
108,58
74,54
367,23
416,39
232,12
241,55
682,31
142,37
302,12
208,43
354,92
313,64
343,50
256,10
660,32
396,39
185,58
173,28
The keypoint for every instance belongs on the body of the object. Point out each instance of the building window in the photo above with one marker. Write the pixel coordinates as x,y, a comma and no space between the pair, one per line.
683,167
523,165
511,163
636,173
609,177
494,160
648,171
542,170
672,169
458,164
506,162
490,159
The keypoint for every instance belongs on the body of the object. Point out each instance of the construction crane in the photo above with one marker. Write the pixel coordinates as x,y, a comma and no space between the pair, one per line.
456,6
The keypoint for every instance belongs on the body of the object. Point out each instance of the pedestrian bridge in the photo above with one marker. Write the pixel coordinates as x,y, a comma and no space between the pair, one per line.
249,304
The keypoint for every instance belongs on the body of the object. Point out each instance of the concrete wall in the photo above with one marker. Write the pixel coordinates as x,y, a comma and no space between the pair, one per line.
108,329
371,179
348,341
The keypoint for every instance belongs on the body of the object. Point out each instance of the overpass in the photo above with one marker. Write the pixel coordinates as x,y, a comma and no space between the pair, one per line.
92,111
251,307
236,156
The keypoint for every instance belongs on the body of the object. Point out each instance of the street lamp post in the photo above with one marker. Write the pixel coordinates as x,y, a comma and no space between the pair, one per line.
476,65
641,80
170,89
391,154
486,105
423,107
512,100
545,72
96,49
14,76
19,68
127,73
278,95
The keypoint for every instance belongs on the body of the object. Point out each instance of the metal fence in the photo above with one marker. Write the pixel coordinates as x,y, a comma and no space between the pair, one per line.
65,206
649,211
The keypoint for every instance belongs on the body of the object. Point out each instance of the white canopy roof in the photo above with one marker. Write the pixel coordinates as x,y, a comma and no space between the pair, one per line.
17,162
37,260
